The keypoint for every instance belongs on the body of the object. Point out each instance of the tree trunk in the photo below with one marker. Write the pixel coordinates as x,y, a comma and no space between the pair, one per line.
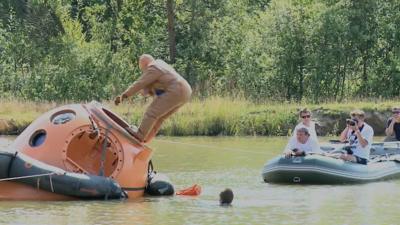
365,87
171,31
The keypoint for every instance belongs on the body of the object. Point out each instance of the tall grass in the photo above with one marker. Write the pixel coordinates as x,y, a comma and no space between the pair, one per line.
211,116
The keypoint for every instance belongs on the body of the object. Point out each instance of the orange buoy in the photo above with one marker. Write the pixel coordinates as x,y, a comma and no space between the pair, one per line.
194,190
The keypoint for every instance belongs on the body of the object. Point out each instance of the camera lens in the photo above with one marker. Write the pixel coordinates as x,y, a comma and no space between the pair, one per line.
351,122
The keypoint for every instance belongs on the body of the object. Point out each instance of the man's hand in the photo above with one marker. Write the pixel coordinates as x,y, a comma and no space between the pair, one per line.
120,98
288,154
354,128
299,153
117,100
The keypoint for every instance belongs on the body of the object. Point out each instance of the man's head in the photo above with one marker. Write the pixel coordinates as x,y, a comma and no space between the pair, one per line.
226,197
396,113
302,135
305,115
358,115
144,61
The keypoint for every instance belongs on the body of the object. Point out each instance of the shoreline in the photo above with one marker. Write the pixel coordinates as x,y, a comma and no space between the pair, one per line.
216,116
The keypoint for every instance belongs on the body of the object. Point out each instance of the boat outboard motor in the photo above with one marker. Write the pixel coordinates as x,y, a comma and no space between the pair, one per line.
159,185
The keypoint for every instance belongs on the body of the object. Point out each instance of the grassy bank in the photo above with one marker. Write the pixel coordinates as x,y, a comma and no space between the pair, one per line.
217,116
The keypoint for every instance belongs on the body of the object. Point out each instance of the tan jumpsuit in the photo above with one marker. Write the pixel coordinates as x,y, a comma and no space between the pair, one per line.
159,77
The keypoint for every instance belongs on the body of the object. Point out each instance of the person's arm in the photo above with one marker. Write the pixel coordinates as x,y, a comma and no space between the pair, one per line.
389,130
367,138
290,145
364,139
363,142
145,92
148,77
343,135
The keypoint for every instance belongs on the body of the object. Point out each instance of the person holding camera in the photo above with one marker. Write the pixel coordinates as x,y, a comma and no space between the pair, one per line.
359,135
393,126
302,144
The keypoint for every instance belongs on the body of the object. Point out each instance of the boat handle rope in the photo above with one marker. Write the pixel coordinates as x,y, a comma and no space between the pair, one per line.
150,167
103,151
150,173
296,179
51,183
104,147
95,128
30,176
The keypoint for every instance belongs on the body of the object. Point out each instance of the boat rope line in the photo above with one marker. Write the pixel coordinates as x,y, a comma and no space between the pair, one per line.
104,150
51,183
133,188
212,147
30,176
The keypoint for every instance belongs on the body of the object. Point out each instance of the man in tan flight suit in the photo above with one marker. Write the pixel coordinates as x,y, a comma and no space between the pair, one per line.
169,89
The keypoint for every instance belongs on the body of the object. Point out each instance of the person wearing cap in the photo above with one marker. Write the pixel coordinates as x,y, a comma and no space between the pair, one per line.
169,90
393,126
302,144
359,136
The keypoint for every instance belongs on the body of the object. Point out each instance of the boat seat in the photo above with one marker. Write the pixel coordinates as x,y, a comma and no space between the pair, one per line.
380,150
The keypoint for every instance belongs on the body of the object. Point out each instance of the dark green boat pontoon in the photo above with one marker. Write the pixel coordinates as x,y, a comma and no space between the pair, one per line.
319,169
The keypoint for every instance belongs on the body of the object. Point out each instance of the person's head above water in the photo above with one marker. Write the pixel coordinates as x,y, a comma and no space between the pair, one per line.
226,197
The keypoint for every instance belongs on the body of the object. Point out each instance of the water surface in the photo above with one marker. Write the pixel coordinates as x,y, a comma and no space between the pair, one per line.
217,163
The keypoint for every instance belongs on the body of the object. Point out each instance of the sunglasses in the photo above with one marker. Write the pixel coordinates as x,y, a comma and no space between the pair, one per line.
306,116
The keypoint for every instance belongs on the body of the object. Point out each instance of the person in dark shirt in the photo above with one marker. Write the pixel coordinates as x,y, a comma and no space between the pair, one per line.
393,126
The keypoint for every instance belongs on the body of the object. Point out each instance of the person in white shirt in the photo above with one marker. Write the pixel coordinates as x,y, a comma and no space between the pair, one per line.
302,144
359,135
306,122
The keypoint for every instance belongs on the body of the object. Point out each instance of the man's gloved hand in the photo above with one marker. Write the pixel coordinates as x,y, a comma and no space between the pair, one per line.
117,100
120,98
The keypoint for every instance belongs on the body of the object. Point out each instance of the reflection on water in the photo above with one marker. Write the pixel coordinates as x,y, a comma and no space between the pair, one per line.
217,163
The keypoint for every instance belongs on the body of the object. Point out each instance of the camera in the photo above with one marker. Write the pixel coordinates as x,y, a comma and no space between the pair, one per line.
351,122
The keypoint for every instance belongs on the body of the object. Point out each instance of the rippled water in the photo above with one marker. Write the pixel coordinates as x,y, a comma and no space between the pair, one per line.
217,163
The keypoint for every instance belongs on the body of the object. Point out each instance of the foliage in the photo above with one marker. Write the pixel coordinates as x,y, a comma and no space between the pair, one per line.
280,50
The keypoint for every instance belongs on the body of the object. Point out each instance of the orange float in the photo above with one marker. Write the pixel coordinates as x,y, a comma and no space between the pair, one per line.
86,139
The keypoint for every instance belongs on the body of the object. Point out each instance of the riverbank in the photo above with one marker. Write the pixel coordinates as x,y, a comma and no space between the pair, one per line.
218,116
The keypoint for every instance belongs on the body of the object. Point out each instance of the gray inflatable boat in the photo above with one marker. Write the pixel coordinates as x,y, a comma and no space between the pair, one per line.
318,169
